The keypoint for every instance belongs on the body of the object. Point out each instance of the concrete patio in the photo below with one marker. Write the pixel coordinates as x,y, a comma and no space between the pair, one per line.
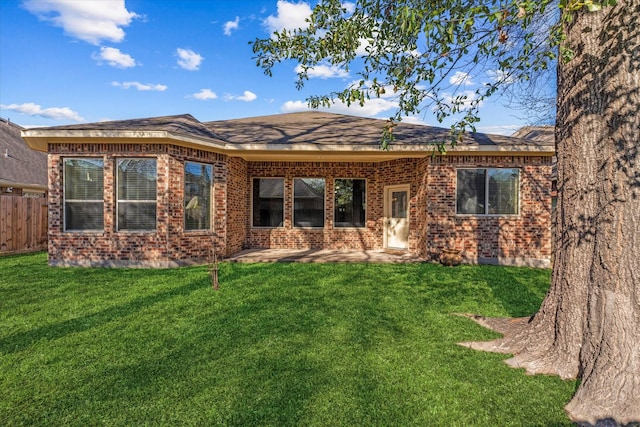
322,255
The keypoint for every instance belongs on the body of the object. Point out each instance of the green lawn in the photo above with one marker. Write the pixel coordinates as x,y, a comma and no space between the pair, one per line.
278,344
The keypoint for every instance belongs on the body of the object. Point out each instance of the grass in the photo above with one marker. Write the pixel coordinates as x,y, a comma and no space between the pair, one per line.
277,345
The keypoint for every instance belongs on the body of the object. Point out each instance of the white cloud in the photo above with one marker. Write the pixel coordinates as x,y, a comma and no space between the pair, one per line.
56,113
460,78
188,59
230,26
324,71
141,86
414,120
294,107
350,7
114,57
506,130
371,108
290,16
361,50
500,76
246,96
204,95
88,20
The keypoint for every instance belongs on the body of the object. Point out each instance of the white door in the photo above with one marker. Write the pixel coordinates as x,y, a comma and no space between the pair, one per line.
396,217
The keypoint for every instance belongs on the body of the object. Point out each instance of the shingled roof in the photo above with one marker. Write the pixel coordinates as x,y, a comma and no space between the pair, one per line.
310,135
183,128
545,134
183,124
536,133
20,166
320,128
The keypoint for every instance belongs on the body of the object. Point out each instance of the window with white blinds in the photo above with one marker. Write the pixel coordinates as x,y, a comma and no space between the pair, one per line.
136,194
83,194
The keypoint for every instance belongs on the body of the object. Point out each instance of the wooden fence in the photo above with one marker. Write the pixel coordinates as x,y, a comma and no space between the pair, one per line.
23,224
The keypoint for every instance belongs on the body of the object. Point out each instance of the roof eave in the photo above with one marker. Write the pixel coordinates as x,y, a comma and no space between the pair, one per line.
33,187
313,152
39,139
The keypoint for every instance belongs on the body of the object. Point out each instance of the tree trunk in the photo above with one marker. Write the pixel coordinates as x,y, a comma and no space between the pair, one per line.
589,323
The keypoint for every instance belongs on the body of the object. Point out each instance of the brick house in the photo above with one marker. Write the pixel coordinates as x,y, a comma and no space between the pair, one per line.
158,191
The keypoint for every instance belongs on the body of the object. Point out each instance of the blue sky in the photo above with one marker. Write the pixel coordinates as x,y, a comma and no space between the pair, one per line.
75,61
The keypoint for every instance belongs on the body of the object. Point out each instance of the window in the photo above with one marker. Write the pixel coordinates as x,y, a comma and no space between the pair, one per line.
83,194
350,203
268,202
136,180
308,202
488,191
197,196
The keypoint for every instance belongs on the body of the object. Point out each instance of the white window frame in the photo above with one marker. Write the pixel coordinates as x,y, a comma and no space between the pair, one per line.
65,199
127,201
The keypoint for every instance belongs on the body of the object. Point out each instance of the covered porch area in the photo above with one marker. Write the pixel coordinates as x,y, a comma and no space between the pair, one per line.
323,255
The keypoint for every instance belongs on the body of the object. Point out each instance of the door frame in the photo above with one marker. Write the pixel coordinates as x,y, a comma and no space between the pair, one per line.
386,211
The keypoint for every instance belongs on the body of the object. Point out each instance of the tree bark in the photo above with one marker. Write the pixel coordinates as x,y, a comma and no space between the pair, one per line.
588,326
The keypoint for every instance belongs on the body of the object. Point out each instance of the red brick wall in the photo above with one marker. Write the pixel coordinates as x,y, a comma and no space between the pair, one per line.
434,225
289,237
433,222
195,244
521,237
169,243
108,246
237,200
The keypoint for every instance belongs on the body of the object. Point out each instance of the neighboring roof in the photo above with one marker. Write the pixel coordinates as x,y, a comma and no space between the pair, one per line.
271,189
536,133
544,134
304,190
300,136
20,166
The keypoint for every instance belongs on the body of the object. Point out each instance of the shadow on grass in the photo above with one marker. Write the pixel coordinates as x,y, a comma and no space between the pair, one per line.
520,295
23,340
269,357
277,345
511,292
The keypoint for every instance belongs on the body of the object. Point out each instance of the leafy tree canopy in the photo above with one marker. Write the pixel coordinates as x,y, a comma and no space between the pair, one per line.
413,48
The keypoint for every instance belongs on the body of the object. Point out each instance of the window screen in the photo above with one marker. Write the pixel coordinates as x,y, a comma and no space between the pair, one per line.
83,194
349,203
308,202
197,196
487,191
136,181
268,202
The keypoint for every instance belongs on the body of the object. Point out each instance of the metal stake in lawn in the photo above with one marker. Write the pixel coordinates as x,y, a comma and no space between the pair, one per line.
213,265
